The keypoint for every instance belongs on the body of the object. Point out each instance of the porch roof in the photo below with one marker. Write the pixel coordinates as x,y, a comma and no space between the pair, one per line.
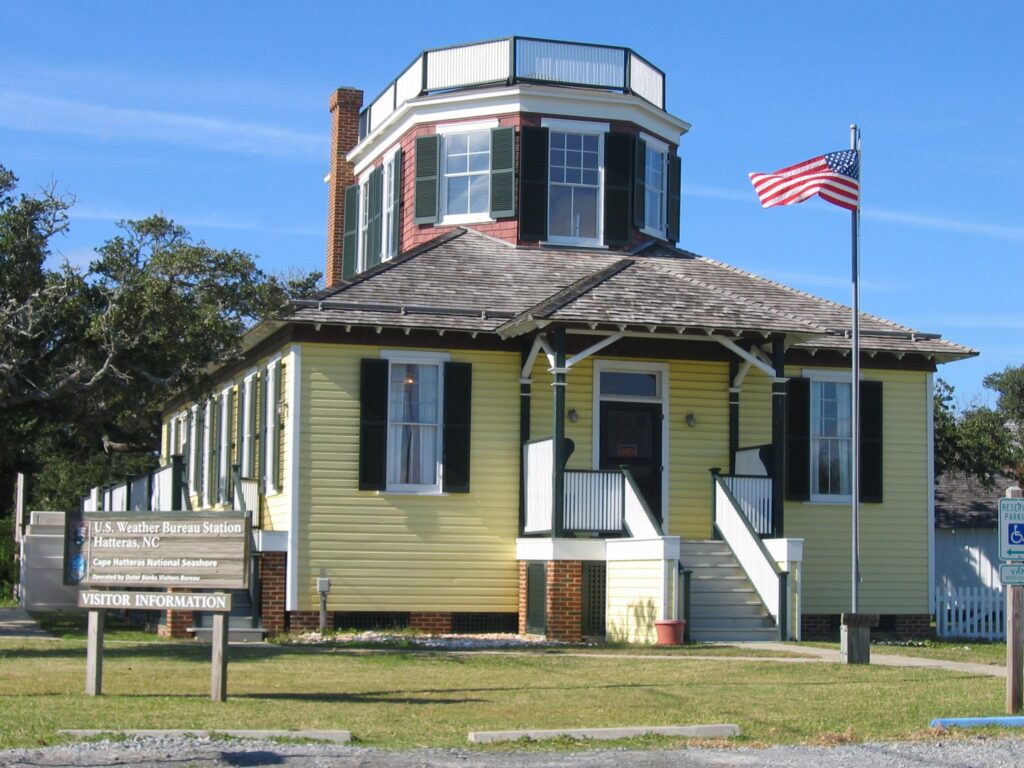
466,281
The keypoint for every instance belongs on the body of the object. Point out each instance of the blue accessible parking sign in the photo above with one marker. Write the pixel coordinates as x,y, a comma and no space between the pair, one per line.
1011,529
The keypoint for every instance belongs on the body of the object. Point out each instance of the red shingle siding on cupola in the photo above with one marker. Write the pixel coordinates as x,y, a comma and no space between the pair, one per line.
414,234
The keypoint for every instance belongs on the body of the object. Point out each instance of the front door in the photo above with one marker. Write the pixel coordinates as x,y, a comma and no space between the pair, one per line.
631,437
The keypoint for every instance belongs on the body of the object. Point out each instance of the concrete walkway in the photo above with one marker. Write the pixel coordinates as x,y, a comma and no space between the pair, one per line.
16,623
829,655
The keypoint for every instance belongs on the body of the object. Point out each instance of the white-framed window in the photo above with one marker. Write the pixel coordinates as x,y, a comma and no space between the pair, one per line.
415,400
465,168
271,445
831,436
390,242
248,415
655,185
364,220
575,181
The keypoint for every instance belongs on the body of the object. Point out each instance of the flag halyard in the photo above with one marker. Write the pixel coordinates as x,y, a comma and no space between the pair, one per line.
833,176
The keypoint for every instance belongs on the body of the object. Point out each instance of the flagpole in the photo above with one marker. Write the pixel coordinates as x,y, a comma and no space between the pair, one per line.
855,388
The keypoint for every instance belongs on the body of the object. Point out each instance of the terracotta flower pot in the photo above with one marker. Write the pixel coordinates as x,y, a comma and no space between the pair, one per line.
670,631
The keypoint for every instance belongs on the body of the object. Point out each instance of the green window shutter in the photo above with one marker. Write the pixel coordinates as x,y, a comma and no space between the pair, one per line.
375,193
674,165
396,204
428,157
533,185
458,381
619,150
260,419
503,172
871,470
373,424
798,439
350,244
279,452
640,184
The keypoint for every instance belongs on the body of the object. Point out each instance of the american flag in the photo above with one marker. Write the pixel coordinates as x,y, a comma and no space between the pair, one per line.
833,176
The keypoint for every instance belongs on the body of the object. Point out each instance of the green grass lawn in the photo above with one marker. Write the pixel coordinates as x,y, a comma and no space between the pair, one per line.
970,651
401,699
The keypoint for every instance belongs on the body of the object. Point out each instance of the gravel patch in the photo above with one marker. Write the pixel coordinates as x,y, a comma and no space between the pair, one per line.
210,752
483,641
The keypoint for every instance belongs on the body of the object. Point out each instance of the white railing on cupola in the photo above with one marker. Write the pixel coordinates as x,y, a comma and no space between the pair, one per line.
517,60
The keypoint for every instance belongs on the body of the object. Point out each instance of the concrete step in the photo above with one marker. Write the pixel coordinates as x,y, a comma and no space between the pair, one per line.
734,635
753,614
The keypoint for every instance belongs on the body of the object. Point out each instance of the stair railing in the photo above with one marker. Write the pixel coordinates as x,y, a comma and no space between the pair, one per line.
770,582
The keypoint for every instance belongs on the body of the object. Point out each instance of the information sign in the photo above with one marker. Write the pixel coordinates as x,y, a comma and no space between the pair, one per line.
159,549
1011,529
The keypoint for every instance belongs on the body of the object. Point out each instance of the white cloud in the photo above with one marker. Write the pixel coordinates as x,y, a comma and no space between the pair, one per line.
193,221
998,231
22,111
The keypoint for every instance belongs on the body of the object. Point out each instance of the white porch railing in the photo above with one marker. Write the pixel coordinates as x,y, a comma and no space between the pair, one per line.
139,493
639,520
593,500
602,501
754,495
163,479
974,612
248,494
768,579
539,460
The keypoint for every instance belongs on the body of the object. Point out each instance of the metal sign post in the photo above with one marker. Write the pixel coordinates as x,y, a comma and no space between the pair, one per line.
1011,548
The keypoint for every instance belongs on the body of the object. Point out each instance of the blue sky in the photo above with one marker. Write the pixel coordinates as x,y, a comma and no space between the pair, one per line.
216,115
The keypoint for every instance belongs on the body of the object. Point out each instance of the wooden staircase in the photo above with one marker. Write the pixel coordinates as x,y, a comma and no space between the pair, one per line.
723,603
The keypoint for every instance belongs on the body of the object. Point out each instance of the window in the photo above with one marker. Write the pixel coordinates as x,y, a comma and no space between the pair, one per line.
467,161
414,423
372,217
831,438
654,190
819,438
365,218
392,184
574,195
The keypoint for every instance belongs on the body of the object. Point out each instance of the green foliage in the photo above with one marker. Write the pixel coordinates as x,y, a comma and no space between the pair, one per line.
88,358
978,440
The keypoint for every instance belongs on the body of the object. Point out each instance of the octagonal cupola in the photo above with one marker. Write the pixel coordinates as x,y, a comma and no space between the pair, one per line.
537,142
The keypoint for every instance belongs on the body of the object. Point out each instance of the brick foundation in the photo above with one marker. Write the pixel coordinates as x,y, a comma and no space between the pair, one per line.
177,624
912,625
307,621
565,600
825,626
272,588
432,623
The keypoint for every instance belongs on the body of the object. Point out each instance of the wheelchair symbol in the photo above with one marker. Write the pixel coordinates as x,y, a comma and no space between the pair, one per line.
1016,535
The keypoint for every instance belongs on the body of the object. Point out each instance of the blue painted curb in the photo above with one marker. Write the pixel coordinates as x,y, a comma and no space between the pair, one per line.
976,722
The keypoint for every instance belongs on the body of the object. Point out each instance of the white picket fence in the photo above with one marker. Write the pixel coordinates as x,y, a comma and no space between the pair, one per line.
975,612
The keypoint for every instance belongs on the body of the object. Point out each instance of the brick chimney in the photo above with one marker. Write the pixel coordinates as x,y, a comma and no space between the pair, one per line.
345,105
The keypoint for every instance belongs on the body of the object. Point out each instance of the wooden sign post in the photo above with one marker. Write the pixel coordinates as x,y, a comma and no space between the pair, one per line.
174,550
98,601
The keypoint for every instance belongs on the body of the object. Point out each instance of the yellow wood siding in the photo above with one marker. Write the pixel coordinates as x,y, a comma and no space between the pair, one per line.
402,552
700,388
894,534
634,599
694,387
